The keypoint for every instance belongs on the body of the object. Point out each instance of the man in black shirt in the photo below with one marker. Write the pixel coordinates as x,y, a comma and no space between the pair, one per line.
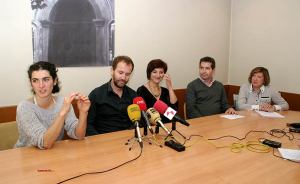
109,102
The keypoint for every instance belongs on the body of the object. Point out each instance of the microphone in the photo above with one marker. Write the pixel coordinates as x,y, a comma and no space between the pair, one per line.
155,118
168,112
141,103
134,114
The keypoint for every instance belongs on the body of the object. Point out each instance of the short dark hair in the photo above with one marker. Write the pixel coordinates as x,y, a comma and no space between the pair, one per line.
51,68
262,70
208,60
156,63
124,59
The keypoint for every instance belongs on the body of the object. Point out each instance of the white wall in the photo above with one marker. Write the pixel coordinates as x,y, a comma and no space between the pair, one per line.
266,33
15,50
177,31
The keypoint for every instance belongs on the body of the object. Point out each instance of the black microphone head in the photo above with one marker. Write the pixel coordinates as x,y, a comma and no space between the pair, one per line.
294,125
171,114
180,120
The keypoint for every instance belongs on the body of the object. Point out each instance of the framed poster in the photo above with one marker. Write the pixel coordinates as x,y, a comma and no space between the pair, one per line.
73,33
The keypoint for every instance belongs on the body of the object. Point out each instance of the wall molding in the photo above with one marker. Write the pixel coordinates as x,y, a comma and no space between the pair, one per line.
293,99
8,113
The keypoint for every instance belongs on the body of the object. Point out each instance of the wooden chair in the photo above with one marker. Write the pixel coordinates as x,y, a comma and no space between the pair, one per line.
8,135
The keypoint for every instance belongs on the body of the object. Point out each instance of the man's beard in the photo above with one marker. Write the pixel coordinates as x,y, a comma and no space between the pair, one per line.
119,84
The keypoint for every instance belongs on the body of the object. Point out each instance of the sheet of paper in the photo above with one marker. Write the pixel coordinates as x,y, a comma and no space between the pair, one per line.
290,154
232,116
270,114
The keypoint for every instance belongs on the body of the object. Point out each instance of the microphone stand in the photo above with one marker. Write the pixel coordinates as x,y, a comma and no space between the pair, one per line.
157,129
145,129
174,129
173,124
132,140
149,140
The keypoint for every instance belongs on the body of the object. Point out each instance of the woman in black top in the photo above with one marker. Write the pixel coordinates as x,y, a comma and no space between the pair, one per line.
152,91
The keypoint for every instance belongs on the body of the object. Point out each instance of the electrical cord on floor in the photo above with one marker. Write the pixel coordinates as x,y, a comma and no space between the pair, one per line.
100,172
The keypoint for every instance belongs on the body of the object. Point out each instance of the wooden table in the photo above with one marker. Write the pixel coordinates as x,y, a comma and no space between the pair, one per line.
200,163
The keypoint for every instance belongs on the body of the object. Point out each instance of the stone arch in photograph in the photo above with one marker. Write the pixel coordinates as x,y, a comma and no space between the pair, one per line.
73,33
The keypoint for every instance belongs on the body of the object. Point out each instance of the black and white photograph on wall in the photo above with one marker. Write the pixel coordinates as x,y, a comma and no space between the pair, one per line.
73,33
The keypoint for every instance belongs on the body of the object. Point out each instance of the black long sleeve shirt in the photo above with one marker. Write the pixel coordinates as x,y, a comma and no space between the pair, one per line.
108,112
150,99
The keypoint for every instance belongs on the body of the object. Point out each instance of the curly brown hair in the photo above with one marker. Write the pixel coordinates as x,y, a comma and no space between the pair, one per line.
156,63
262,70
51,68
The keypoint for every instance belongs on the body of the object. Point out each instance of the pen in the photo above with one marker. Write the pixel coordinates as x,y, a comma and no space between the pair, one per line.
44,170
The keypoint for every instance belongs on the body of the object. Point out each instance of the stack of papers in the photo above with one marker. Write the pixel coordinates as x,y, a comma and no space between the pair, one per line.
290,154
270,114
232,116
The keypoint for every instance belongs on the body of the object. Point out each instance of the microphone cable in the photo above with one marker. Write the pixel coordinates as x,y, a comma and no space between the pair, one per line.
153,139
167,138
254,146
279,133
100,172
171,136
240,139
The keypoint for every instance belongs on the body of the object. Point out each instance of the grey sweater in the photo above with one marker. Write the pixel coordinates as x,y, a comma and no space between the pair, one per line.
202,100
34,121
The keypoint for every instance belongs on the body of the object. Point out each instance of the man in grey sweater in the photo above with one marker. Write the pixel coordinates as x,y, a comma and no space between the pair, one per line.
206,96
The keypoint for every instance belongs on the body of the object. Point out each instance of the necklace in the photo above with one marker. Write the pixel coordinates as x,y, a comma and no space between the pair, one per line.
35,102
156,95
